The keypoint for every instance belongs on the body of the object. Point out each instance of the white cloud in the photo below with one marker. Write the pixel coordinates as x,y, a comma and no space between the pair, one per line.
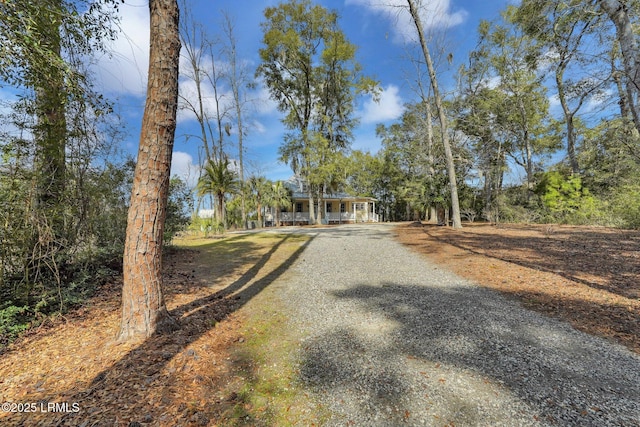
435,14
183,167
188,92
257,127
389,106
125,72
264,104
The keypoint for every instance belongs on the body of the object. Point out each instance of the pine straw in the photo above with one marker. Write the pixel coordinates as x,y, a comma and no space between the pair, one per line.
587,276
188,377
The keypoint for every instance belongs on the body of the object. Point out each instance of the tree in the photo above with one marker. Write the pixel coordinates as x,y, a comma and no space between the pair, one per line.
414,172
451,170
143,308
311,72
238,79
193,39
219,180
619,13
40,50
505,105
179,207
205,70
53,207
258,189
279,196
563,34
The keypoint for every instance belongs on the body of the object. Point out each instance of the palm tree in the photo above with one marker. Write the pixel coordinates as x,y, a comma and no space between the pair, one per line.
219,180
279,196
259,188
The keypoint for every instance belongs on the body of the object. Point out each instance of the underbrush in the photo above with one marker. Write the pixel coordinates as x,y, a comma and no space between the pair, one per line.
26,304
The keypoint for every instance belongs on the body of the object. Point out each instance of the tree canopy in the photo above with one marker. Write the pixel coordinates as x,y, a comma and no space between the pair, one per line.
311,71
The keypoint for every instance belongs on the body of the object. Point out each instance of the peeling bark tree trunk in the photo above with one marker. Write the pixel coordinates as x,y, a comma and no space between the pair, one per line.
143,308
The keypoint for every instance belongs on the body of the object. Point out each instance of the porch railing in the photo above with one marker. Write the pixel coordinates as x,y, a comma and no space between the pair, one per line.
294,216
333,217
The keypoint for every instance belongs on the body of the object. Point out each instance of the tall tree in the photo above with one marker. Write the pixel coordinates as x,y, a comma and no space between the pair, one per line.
143,308
451,169
619,12
39,44
194,41
564,35
311,72
238,79
522,108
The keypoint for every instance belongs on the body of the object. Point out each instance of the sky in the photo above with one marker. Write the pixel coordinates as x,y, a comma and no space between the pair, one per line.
382,32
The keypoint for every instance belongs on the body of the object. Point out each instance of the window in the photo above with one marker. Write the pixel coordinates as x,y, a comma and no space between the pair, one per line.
298,207
329,208
359,206
343,208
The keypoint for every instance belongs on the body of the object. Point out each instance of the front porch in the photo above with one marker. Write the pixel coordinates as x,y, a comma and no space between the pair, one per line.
335,212
289,218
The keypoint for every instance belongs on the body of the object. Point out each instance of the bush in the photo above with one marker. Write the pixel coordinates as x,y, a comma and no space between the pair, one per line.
178,208
13,321
625,203
566,200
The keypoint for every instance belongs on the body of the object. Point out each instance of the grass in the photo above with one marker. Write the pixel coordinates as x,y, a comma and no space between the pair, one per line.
264,357
232,362
271,394
268,392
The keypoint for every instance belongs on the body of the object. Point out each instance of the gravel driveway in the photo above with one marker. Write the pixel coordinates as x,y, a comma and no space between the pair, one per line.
390,339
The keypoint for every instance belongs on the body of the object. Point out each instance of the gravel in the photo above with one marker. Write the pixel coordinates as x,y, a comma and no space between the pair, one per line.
390,339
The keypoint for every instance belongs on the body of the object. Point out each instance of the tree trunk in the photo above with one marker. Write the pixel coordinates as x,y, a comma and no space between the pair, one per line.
220,209
235,81
568,117
618,12
455,204
51,131
312,215
432,217
143,308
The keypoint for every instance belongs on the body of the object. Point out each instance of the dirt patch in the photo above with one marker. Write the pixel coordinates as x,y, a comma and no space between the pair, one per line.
75,373
587,276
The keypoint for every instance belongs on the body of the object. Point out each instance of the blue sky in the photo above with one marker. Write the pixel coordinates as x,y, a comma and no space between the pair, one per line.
385,39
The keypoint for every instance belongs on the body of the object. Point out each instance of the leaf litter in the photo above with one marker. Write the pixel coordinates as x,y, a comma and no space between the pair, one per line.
587,276
186,378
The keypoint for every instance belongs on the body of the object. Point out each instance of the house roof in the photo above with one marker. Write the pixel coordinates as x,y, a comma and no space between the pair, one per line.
297,187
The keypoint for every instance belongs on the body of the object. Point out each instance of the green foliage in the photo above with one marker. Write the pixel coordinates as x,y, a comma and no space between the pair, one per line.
411,167
12,322
30,30
46,275
566,199
179,207
218,179
234,212
625,203
310,70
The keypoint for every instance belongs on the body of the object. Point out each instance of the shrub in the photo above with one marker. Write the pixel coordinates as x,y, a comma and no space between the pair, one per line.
567,200
625,204
13,321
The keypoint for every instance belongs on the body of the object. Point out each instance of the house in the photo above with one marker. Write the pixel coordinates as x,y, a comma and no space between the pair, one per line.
338,207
